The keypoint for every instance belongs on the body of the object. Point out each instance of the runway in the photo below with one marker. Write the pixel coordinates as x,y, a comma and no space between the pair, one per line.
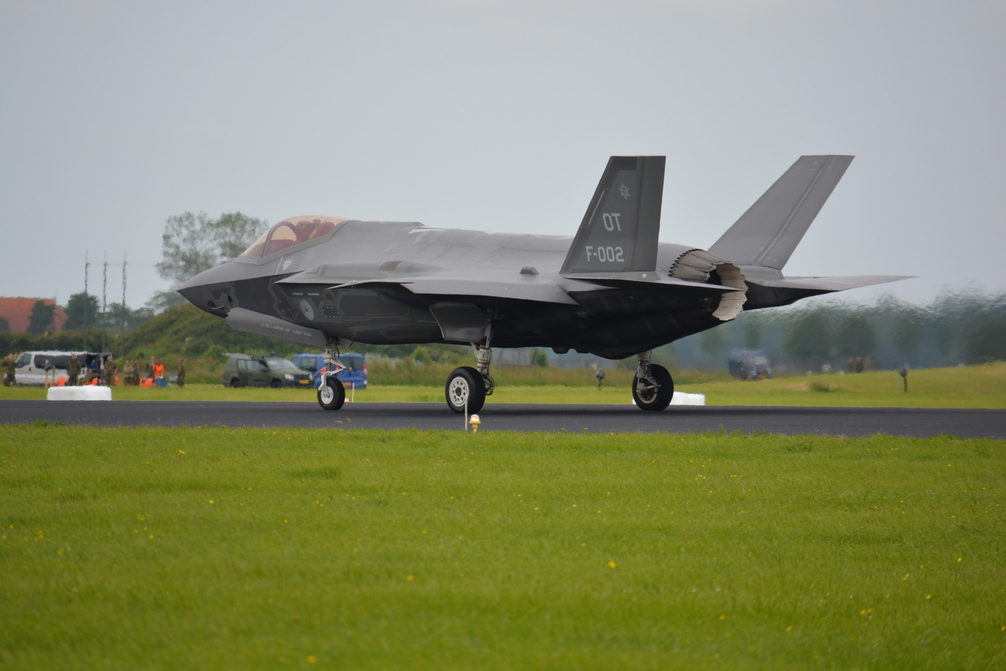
913,422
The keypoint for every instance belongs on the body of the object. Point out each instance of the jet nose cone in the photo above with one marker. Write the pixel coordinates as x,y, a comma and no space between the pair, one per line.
211,276
211,291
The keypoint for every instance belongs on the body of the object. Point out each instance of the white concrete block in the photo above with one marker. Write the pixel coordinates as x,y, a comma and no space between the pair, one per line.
85,393
681,398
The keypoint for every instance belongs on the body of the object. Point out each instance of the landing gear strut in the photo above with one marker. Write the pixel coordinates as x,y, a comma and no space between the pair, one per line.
331,393
652,386
467,387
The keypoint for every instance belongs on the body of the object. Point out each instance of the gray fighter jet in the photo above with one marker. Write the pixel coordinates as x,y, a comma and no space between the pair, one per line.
613,290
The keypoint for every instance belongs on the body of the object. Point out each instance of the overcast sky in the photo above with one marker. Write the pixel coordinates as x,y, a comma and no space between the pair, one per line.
500,116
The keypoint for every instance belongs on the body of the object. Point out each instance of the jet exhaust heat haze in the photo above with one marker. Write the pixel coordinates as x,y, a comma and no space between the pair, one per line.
612,290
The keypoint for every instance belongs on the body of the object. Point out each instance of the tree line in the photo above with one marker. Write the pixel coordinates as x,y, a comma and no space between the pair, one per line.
958,327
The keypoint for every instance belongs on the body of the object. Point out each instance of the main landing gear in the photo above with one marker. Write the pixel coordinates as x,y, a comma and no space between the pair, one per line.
331,393
467,387
652,386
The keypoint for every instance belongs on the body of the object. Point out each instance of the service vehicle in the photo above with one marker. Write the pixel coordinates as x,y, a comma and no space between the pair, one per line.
37,368
749,365
242,370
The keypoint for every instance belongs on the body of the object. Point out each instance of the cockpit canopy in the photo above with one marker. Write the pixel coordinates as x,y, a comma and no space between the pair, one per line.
290,232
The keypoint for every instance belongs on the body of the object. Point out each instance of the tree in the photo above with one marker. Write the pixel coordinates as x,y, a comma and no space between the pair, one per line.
192,243
809,338
118,316
711,343
82,312
42,316
752,330
908,330
856,335
164,300
4,324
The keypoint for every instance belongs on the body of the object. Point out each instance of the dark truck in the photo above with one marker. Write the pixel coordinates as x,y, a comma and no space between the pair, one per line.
242,370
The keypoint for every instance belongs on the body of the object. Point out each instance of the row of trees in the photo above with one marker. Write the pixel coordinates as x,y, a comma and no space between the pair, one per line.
963,327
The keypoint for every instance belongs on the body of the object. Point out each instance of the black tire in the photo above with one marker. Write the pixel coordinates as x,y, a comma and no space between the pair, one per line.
463,384
275,384
235,383
332,395
654,397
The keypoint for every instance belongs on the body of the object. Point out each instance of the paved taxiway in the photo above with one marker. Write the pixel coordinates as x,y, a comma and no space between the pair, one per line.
916,422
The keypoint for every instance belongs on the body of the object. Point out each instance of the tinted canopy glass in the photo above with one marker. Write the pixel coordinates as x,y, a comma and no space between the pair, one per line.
290,232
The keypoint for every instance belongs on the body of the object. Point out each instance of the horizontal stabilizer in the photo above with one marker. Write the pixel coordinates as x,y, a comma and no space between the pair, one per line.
620,228
770,230
827,284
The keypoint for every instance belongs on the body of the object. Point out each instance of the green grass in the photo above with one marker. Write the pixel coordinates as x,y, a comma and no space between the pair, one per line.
964,387
981,386
207,548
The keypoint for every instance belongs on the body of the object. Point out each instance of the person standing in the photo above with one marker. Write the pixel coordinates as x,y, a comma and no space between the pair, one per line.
72,371
159,374
10,372
127,373
181,372
150,368
110,370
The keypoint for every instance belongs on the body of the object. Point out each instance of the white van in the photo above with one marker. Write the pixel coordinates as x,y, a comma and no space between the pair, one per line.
38,368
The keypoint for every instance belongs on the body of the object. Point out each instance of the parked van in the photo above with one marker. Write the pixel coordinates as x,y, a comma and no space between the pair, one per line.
749,365
242,370
41,367
354,376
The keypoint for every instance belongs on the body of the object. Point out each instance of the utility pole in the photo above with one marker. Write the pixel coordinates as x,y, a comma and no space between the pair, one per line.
87,303
122,319
104,303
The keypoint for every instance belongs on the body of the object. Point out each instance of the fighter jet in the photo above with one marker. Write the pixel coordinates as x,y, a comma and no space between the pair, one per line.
612,290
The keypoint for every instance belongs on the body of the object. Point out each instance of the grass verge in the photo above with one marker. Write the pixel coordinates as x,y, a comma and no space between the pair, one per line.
233,549
965,387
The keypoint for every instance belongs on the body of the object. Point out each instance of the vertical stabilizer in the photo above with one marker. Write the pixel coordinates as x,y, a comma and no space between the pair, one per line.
620,229
770,230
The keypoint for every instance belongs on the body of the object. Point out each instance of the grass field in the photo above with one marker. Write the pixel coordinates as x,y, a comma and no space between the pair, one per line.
965,387
207,548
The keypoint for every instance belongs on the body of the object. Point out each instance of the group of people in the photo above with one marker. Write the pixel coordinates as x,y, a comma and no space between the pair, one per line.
105,372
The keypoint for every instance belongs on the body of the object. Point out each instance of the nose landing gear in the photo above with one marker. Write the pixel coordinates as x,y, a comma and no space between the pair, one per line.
331,393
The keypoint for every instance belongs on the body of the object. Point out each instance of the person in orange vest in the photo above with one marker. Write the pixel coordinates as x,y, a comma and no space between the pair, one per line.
159,374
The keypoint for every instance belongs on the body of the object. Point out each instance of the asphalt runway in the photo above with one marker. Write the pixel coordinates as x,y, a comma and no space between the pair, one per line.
914,422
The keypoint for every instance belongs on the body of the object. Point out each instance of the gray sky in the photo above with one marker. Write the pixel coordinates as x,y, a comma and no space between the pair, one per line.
499,115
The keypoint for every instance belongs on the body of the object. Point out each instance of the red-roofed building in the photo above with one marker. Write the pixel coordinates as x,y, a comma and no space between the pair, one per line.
17,312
